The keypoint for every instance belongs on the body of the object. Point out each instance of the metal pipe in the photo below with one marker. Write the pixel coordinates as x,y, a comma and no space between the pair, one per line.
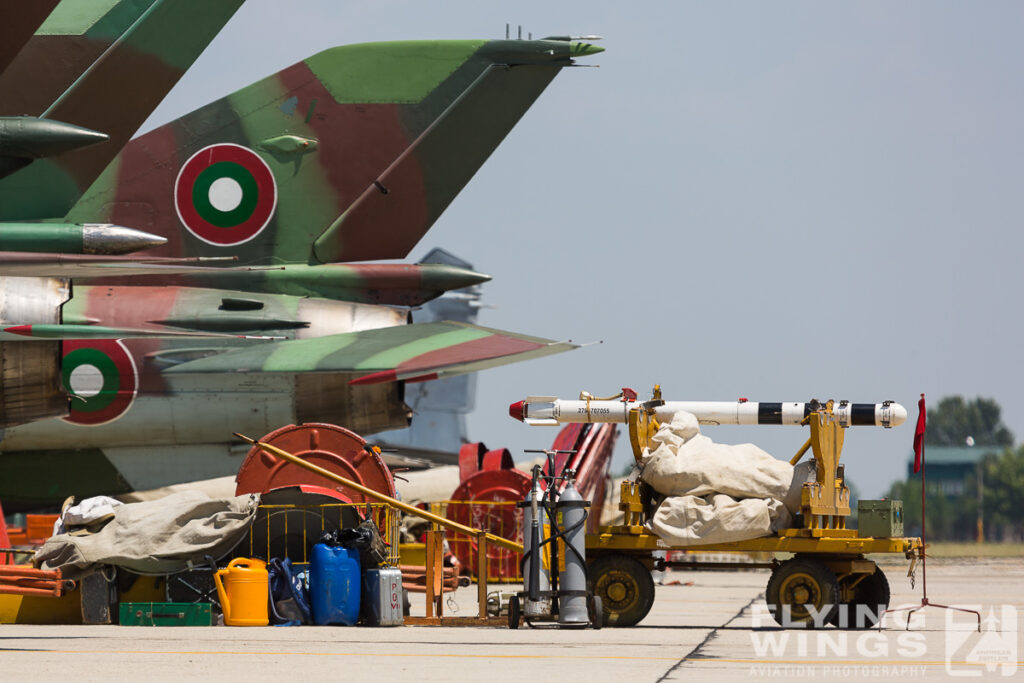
41,592
800,453
9,571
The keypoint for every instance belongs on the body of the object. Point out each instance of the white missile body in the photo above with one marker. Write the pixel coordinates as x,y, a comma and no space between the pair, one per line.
550,410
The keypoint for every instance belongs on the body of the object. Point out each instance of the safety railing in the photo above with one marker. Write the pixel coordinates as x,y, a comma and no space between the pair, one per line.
290,531
501,518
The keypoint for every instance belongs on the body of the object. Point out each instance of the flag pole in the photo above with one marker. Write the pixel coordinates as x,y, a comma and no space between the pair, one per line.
919,464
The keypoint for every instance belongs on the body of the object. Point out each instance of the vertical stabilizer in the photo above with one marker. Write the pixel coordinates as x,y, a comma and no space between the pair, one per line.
129,56
349,155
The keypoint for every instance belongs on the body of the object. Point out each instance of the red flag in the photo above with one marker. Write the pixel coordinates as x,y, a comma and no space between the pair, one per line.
919,435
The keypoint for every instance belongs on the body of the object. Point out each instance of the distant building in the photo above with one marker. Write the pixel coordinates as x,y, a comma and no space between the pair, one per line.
949,466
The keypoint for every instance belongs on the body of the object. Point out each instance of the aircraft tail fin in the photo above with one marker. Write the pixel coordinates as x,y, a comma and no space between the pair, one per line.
438,428
121,58
349,155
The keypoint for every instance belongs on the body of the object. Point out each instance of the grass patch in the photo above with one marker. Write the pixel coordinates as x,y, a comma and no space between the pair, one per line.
945,549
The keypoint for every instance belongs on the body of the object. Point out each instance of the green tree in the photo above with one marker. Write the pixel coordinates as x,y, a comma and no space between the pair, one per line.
955,517
954,420
949,519
1003,479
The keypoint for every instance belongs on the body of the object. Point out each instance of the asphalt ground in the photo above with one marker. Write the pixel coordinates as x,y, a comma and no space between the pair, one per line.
706,626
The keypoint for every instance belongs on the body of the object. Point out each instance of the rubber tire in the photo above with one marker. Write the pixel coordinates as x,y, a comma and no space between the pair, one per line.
606,570
514,613
871,592
596,611
811,575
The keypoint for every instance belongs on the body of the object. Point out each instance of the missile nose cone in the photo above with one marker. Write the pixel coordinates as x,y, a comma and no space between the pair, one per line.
899,415
581,49
104,238
446,278
516,410
27,137
83,136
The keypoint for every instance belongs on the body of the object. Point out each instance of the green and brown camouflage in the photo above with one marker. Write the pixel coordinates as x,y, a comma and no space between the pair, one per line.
103,65
161,410
361,149
33,264
349,155
19,19
390,284
320,336
72,37
410,352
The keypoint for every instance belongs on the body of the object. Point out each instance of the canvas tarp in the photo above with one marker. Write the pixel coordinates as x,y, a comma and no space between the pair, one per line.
718,518
717,493
156,537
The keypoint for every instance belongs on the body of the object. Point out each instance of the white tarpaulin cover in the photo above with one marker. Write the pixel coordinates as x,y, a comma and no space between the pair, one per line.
717,518
717,492
159,536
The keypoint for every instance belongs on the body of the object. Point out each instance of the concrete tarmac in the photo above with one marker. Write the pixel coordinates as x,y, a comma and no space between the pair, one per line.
707,626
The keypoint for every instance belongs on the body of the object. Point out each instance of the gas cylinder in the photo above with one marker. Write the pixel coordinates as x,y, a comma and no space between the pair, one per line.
535,577
243,589
572,586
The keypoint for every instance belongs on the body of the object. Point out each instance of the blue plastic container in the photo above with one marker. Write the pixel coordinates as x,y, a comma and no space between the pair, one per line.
335,585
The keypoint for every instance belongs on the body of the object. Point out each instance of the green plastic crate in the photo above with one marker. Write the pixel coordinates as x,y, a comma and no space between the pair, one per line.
880,518
166,614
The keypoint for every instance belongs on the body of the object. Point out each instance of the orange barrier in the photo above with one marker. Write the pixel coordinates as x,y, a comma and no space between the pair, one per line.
25,580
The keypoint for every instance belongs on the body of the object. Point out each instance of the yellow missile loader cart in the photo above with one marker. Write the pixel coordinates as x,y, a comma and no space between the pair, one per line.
828,579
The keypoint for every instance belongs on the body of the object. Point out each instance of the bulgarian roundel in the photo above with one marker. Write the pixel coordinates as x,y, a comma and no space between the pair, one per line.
225,194
101,378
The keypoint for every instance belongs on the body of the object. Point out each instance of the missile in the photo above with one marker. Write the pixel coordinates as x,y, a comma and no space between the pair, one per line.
76,238
27,137
550,410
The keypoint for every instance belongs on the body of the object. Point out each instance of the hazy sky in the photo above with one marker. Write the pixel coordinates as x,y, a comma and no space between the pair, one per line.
776,201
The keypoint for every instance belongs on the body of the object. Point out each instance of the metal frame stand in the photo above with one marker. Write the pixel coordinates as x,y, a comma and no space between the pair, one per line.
531,591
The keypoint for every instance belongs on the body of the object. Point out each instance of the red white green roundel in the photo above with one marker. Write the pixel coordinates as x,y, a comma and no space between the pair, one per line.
101,378
225,194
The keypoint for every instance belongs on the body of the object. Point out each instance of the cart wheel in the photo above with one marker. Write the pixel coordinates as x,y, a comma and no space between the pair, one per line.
513,612
624,586
596,612
870,598
796,586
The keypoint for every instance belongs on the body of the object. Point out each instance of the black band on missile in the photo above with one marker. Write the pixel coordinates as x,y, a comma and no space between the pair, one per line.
769,413
862,414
